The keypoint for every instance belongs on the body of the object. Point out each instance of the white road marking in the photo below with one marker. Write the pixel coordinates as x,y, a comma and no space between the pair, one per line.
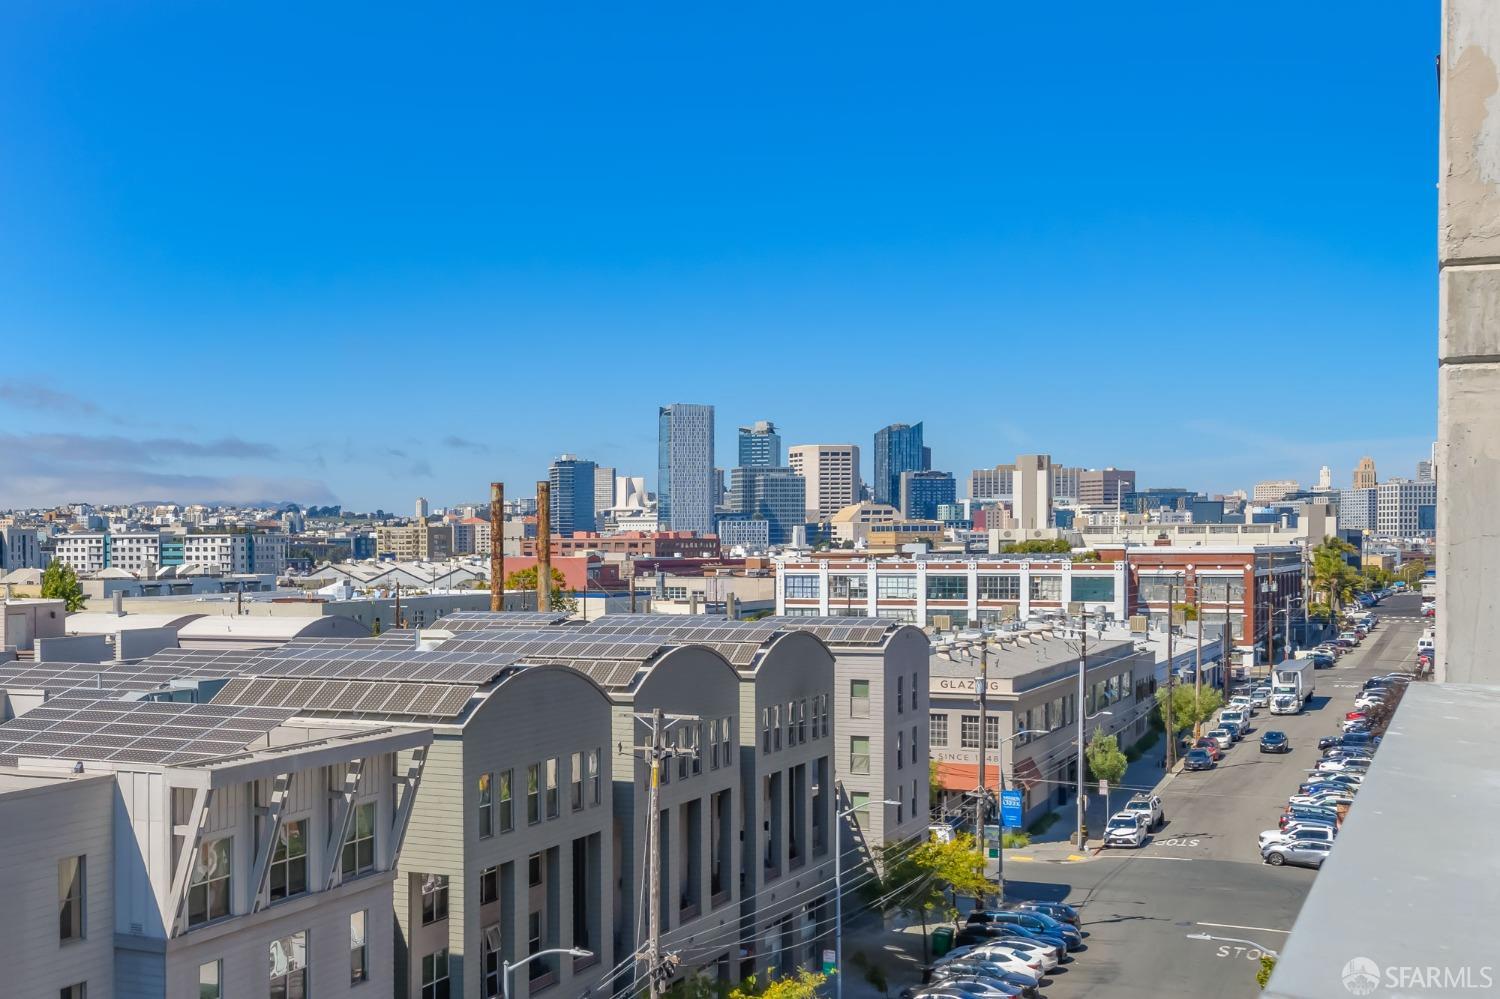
1234,926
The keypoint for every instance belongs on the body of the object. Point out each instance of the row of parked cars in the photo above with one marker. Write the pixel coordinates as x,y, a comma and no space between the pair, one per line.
1004,951
1309,824
1232,725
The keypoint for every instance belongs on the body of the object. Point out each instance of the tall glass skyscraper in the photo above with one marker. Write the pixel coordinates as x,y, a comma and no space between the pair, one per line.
776,495
898,448
760,445
685,481
572,506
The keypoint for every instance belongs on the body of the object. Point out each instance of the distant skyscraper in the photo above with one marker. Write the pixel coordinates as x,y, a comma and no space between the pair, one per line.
1104,486
832,475
923,492
422,508
776,495
604,492
1274,489
685,481
1399,507
898,448
1325,478
1359,509
1424,471
1032,491
573,486
760,445
1364,475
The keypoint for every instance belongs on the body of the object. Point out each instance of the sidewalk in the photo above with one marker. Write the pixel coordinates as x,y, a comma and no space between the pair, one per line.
1142,775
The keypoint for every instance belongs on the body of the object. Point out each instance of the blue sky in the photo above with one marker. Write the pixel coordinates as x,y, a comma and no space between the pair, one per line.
367,252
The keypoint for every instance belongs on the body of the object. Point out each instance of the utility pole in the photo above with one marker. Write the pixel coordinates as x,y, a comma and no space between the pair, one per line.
399,622
981,688
631,569
1083,668
1198,669
659,966
1171,676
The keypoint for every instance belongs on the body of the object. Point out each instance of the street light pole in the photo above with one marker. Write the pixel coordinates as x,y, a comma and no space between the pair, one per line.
508,967
1083,667
838,899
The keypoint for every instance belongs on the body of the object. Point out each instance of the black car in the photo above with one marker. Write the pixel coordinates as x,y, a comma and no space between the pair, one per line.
1197,759
1322,660
1359,736
1274,742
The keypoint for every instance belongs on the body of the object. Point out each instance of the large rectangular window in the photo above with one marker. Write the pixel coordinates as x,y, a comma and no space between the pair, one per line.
489,885
359,847
1219,589
859,754
507,805
434,898
1160,589
208,889
848,587
802,587
1046,587
947,587
1093,589
211,980
895,587
289,967
534,793
493,947
70,901
937,729
553,805
594,765
859,698
968,731
289,861
575,781
1000,587
486,805
359,947
435,975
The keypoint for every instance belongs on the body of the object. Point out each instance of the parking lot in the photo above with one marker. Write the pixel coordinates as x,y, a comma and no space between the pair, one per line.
1202,873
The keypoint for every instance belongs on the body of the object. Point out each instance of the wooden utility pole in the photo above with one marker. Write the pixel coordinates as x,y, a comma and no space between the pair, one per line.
399,622
1198,669
497,546
981,688
1171,676
654,968
544,546
1079,764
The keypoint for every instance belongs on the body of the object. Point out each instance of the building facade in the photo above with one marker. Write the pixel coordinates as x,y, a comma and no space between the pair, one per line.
1033,488
1399,506
831,472
760,445
1364,474
572,494
1104,486
923,492
898,448
776,495
685,480
1359,509
1272,490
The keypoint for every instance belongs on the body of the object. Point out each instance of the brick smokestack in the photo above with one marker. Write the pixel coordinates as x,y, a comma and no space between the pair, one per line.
497,546
544,546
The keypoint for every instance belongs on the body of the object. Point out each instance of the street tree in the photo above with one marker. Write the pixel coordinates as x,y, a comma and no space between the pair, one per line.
929,879
1105,760
563,600
803,984
1190,706
60,582
1333,579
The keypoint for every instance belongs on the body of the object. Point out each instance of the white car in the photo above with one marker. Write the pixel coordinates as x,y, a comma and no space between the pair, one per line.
1343,764
1126,829
1244,702
1030,949
1298,831
1222,737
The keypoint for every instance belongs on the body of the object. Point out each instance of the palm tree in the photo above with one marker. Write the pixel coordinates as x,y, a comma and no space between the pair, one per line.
1333,578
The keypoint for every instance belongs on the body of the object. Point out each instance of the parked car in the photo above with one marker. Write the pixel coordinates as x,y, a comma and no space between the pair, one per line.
1260,697
1305,853
1244,702
1125,829
1349,739
1060,911
1148,805
1235,716
1198,759
1321,659
1345,641
1049,956
1037,921
1298,831
1222,736
1274,742
1210,746
1310,813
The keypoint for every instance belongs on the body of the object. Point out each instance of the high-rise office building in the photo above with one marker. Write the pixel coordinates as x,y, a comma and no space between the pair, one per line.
898,448
1104,486
1272,490
604,492
776,495
1364,474
572,506
923,492
686,486
422,508
1032,491
1399,506
1325,478
831,472
760,445
992,485
1358,509
1424,471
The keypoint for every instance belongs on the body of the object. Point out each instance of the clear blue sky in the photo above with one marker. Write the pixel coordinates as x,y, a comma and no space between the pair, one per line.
311,253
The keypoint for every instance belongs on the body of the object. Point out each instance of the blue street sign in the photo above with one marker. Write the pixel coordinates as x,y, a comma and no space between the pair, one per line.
1010,809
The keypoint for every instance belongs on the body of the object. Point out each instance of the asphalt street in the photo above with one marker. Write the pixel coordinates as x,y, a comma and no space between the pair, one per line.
1202,873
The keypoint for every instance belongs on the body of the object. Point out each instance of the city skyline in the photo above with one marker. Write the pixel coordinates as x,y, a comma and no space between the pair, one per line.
295,256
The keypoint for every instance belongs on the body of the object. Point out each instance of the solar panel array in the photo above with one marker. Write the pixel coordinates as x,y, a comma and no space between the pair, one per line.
839,630
364,698
204,662
58,677
737,641
487,620
409,664
574,644
144,732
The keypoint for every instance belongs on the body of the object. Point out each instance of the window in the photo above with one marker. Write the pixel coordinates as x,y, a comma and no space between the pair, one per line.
595,757
826,699
492,961
947,587
489,885
435,975
991,731
575,782
359,948
859,698
79,991
895,587
70,878
765,730
859,803
914,748
434,898
507,806
289,860
900,757
359,847
289,966
713,743
724,733
534,944
848,587
211,980
968,731
859,754
534,793
534,871
208,889
1046,587
1093,589
915,691
791,723
999,587
486,806
900,694
802,587
937,729
802,720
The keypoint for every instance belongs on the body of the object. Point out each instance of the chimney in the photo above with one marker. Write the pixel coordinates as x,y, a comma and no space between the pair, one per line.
732,607
497,546
544,546
119,599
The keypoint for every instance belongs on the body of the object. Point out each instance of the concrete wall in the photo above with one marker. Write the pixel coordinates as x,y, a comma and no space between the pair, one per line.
74,649
1468,551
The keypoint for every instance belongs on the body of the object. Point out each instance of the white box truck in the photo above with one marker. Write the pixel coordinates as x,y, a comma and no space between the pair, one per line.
1292,684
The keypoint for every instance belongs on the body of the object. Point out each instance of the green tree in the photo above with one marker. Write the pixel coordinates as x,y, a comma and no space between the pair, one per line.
929,880
1054,546
934,788
801,985
1190,707
1333,579
1105,760
563,600
60,582
1267,965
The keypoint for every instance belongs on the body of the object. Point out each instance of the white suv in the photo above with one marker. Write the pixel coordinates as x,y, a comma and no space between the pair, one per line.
1126,829
1150,807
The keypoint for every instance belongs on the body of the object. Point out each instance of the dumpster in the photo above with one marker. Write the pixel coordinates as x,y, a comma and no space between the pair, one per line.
942,940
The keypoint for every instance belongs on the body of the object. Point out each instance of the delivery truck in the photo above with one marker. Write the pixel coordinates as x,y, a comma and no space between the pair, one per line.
1292,684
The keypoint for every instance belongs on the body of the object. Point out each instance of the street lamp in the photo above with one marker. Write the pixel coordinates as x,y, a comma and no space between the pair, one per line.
509,967
999,826
1249,943
838,895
